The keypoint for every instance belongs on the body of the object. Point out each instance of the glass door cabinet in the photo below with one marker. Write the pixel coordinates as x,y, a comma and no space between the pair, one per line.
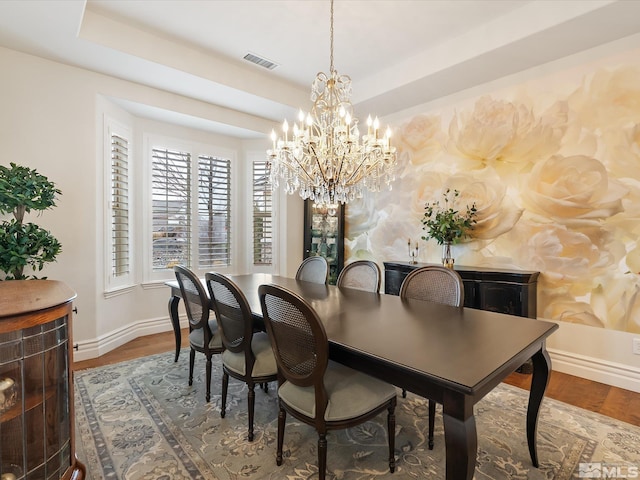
324,235
36,387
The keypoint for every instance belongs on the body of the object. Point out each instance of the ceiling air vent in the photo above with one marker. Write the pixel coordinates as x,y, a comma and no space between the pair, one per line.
263,62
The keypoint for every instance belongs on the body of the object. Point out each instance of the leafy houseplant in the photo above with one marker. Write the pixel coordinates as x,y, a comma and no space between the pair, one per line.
447,225
25,244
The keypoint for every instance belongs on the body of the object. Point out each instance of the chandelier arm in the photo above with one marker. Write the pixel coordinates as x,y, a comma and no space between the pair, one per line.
319,163
339,174
302,169
359,168
367,170
373,166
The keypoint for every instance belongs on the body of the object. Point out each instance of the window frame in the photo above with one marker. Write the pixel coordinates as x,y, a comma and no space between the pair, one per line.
196,150
228,207
251,158
115,285
180,161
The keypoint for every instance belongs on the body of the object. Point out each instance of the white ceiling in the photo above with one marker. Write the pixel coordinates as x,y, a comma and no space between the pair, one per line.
399,53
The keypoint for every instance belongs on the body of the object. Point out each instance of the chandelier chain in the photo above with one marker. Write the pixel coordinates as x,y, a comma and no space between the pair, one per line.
331,42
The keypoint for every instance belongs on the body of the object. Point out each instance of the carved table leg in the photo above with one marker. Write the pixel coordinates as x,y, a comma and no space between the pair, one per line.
541,369
175,322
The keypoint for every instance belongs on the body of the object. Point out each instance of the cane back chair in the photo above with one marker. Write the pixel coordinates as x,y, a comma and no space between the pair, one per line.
313,269
247,356
203,330
311,388
361,275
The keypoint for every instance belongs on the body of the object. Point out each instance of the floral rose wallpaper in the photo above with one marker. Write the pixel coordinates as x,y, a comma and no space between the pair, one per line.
554,169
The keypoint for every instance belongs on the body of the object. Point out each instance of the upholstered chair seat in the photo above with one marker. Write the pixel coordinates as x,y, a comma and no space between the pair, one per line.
265,363
196,337
350,394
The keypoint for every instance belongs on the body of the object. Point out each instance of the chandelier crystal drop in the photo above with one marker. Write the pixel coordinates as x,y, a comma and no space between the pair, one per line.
323,156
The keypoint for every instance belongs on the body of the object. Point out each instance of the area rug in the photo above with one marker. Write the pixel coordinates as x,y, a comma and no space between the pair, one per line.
141,420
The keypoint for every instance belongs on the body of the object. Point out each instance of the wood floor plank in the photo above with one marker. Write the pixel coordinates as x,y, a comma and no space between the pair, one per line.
597,397
623,405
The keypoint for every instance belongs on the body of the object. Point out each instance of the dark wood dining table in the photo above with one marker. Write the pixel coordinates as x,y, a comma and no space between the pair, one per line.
454,356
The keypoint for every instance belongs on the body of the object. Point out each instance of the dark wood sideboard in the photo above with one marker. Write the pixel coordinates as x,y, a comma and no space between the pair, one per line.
497,290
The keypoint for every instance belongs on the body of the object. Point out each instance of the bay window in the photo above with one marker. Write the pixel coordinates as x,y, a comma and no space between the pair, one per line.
190,208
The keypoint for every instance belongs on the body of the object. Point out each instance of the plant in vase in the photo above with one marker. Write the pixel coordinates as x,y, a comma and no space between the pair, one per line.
446,224
25,244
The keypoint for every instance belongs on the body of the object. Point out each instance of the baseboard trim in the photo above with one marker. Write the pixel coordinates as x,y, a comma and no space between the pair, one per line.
105,343
609,373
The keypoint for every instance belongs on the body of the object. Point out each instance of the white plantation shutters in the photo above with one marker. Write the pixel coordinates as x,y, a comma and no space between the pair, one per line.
119,203
214,212
118,254
262,215
191,209
171,208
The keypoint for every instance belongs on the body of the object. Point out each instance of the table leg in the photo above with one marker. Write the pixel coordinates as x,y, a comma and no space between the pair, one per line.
175,322
460,436
541,369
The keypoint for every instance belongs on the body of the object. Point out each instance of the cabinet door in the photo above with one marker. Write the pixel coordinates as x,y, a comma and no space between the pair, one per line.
35,429
501,297
470,293
392,281
324,236
12,427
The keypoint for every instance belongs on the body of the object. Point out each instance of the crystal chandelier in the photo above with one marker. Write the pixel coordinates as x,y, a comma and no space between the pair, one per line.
323,155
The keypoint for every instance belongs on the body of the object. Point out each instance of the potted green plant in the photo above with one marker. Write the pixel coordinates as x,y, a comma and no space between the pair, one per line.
25,244
447,225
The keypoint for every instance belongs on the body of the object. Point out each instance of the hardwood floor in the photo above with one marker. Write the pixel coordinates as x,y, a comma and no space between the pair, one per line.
611,401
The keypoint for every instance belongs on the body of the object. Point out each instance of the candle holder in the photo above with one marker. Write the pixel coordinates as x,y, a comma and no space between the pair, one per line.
413,253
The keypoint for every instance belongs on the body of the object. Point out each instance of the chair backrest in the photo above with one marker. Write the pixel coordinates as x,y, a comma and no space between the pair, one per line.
435,284
361,275
298,339
313,269
233,313
196,301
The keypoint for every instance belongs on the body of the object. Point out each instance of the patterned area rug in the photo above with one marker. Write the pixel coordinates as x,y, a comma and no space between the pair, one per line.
140,420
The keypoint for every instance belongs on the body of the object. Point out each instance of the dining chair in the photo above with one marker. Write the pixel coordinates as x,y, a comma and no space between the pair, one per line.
203,330
311,388
361,275
313,269
434,283
438,284
248,356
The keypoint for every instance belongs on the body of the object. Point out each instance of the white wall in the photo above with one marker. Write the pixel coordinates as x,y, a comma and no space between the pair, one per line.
47,122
